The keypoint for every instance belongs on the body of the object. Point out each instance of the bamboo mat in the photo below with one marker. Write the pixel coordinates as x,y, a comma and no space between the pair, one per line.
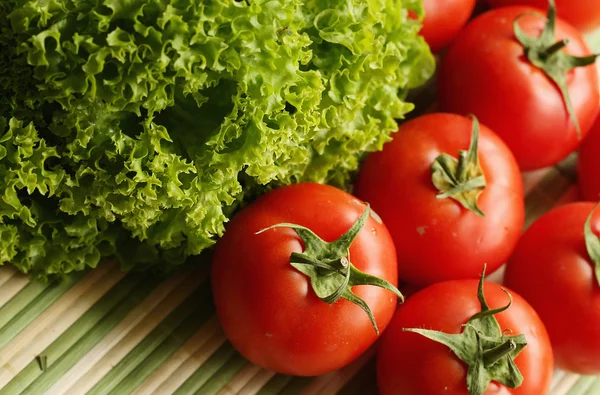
108,332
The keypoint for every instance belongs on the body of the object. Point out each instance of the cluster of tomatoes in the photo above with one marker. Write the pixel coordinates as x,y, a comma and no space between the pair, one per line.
305,278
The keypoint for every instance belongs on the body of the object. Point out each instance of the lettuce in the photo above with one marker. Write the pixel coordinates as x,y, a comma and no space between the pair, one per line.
134,128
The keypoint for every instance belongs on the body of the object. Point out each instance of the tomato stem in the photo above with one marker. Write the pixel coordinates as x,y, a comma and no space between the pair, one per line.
493,355
547,55
461,179
329,268
483,347
554,48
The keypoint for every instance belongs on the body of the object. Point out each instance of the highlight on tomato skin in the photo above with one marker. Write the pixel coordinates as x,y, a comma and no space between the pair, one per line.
267,303
409,363
448,233
588,165
556,268
583,14
515,89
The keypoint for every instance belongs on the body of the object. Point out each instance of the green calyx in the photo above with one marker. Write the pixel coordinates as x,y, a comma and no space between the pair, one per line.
592,244
488,352
546,54
461,179
328,266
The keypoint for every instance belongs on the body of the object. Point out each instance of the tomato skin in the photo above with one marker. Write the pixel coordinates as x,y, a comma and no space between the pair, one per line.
583,14
553,272
268,309
588,165
438,28
410,364
485,73
438,239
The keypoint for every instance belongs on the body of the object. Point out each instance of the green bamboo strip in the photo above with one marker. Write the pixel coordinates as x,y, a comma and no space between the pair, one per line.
333,382
243,379
54,320
185,361
94,316
39,300
6,274
594,387
128,333
275,385
564,384
141,352
250,380
20,301
207,370
223,376
557,378
201,309
295,385
124,297
12,287
583,386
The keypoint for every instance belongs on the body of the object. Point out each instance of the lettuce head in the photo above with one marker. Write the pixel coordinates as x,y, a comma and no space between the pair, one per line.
134,128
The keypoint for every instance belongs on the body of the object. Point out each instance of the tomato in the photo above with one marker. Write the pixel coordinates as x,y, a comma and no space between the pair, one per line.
589,164
486,73
553,271
583,14
444,19
267,307
409,363
439,239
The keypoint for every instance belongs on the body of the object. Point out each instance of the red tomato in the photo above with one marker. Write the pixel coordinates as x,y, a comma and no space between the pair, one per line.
438,239
486,73
409,363
444,19
552,270
583,14
269,310
589,165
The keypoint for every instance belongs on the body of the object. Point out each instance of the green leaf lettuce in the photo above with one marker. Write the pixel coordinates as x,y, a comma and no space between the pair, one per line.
134,128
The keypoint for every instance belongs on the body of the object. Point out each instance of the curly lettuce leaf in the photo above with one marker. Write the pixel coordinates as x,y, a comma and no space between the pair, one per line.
134,129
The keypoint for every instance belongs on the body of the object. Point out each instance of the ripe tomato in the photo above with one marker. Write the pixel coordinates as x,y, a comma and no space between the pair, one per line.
444,19
267,307
583,14
487,73
409,363
554,272
439,239
589,165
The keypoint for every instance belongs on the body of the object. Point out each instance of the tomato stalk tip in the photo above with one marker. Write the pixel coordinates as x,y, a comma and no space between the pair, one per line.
329,267
495,354
461,179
